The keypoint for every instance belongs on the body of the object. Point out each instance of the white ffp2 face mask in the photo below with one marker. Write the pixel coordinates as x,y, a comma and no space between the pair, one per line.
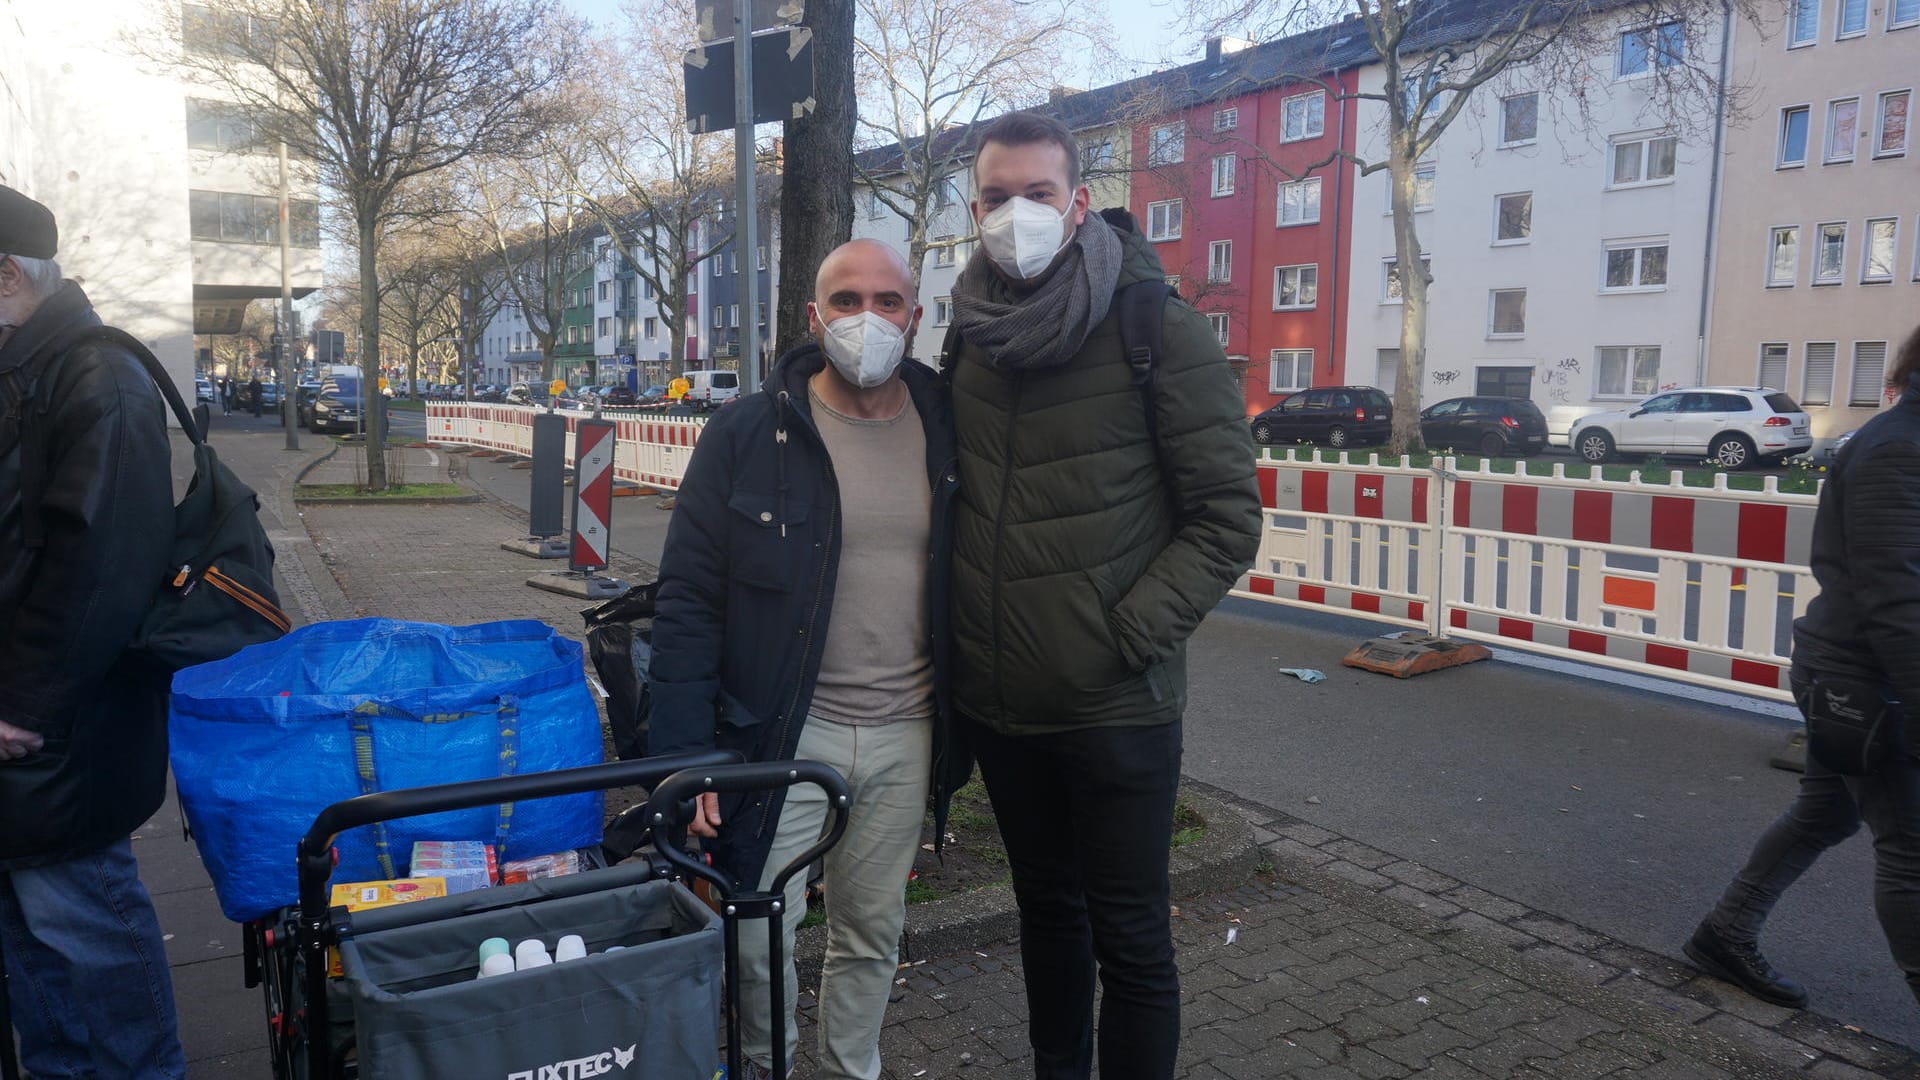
865,348
1023,236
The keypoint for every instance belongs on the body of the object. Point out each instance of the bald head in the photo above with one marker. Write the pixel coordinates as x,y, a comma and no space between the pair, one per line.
864,275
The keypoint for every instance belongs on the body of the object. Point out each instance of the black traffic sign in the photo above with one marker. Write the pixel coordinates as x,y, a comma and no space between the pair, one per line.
714,18
782,80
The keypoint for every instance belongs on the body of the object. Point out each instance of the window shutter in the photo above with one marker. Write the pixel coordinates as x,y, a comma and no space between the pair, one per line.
1818,386
1869,373
1773,366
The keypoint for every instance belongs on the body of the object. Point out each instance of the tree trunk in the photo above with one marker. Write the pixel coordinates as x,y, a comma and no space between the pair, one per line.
917,245
373,403
1413,308
816,186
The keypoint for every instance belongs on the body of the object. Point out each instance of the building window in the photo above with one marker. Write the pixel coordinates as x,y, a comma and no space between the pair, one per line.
218,125
1636,266
1805,26
1223,173
1773,365
733,315
1299,202
1226,119
1513,218
1843,126
1816,375
943,255
1830,259
606,290
236,218
1411,94
1869,374
1628,371
760,257
1425,175
1903,13
1876,264
1220,260
652,325
1648,160
606,326
1519,119
646,289
1649,48
1167,145
1163,220
1390,292
1173,282
1218,320
1783,256
1289,370
945,194
1303,116
719,316
1793,137
733,261
1890,128
876,207
1296,288
1507,317
1095,157
1853,19
719,265
942,310
763,312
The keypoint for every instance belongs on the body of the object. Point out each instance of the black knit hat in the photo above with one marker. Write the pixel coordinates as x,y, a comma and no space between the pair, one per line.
26,227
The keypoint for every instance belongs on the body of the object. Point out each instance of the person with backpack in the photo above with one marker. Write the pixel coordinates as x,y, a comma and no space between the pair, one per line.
1108,503
86,527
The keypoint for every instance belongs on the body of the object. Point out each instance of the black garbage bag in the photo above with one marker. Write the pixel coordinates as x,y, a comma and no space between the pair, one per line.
620,641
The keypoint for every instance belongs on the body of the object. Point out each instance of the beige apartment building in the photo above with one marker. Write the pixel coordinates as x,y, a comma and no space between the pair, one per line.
1817,277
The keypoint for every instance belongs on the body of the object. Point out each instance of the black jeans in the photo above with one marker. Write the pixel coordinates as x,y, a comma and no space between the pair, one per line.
1829,809
1087,817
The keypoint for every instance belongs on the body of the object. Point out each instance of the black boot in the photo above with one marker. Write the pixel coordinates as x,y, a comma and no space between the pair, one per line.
1744,967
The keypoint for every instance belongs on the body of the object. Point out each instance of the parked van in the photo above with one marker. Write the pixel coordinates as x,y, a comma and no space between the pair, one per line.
712,389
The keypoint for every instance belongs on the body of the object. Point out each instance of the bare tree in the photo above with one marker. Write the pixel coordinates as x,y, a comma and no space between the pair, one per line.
538,224
1435,56
816,177
376,93
238,352
929,68
644,178
420,295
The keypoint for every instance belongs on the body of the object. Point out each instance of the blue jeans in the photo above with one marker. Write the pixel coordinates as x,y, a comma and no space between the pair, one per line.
86,974
1829,809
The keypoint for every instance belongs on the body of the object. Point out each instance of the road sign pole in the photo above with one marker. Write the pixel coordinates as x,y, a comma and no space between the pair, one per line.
746,234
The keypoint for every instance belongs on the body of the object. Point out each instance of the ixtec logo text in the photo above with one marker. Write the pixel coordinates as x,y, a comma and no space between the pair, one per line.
581,1068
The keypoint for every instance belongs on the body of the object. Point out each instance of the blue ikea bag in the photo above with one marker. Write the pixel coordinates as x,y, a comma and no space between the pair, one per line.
264,740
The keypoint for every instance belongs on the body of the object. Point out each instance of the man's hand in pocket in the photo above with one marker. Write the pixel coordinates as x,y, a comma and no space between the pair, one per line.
17,742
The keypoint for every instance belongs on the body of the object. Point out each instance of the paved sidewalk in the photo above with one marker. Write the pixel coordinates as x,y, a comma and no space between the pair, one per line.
1343,961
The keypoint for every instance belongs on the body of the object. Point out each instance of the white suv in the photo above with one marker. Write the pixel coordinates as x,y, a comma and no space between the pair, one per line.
1733,426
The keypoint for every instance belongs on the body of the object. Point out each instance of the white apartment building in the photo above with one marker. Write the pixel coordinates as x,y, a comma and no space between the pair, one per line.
949,220
1569,259
168,213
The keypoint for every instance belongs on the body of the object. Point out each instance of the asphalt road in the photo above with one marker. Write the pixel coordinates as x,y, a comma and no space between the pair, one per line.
1572,790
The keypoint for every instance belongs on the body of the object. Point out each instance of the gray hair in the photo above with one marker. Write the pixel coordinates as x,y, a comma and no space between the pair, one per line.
43,275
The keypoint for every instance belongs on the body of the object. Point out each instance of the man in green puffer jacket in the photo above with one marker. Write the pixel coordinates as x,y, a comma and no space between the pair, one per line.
1084,557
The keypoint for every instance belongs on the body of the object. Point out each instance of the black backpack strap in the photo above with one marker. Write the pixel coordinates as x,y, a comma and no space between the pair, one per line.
1143,316
950,351
33,446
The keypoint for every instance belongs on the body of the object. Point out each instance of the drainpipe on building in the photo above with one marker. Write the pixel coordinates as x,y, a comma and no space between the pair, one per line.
1713,192
1340,166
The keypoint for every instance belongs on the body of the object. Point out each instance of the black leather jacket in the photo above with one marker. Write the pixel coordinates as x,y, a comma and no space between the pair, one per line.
1865,624
69,608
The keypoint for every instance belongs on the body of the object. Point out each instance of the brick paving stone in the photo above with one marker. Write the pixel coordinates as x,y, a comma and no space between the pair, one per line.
1310,835
1423,901
1423,878
1294,849
1485,903
1359,854
1476,923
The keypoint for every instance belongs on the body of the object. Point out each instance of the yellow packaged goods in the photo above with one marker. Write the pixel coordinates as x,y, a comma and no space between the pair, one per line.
365,895
362,895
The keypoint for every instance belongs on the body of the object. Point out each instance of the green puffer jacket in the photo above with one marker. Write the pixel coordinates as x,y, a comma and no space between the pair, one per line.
1076,582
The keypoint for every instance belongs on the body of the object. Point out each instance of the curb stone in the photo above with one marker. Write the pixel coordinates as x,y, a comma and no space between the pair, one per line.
1625,983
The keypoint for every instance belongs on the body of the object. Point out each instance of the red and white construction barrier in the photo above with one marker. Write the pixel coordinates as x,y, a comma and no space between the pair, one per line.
651,451
1695,584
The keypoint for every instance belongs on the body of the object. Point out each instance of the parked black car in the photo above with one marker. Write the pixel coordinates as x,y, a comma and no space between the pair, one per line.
618,395
1339,416
1488,426
304,396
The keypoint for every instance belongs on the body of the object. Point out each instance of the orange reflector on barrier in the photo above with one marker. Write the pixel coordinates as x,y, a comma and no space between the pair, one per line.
1627,592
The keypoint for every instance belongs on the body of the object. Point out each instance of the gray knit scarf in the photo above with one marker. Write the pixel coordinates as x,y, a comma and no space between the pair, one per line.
1039,324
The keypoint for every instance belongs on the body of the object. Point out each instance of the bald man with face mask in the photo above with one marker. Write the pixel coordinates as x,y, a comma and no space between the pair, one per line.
802,614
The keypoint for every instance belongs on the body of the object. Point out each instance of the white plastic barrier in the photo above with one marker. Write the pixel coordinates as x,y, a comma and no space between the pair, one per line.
1695,584
649,449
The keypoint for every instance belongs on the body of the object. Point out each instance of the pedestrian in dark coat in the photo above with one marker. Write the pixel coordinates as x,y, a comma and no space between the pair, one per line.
83,745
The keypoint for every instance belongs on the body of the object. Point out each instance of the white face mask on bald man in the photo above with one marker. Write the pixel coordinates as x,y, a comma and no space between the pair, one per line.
865,348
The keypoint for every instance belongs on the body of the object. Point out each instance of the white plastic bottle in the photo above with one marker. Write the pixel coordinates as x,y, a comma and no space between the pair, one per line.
570,947
530,954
